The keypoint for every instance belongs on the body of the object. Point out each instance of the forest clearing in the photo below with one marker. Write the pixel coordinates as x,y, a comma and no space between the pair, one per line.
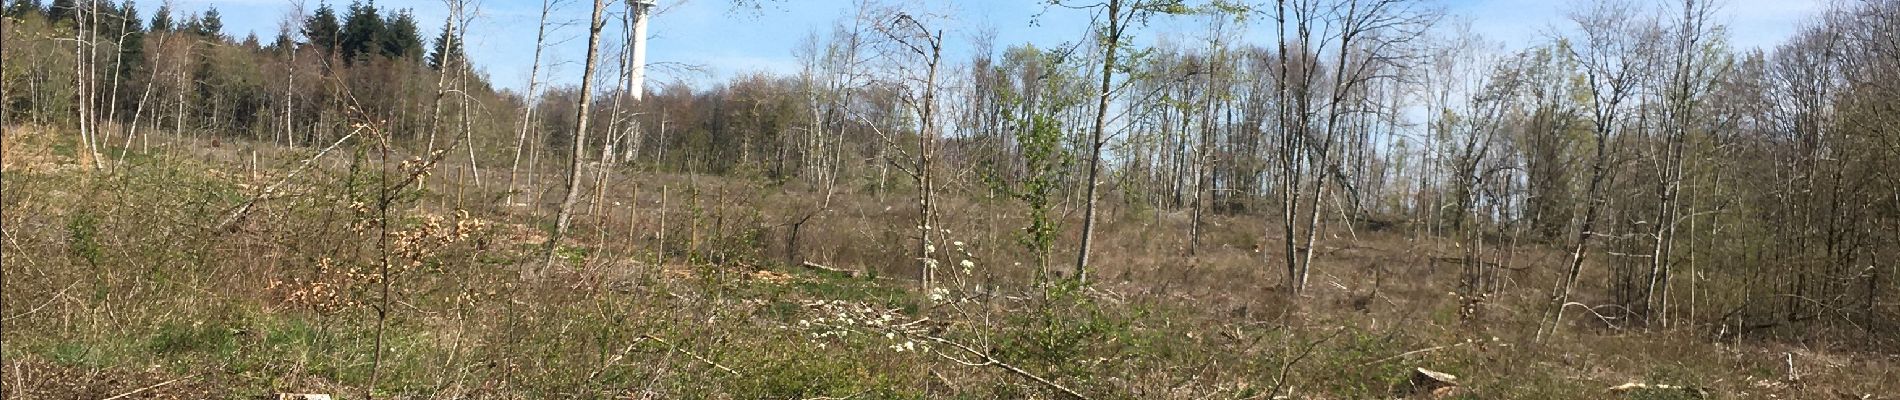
1181,199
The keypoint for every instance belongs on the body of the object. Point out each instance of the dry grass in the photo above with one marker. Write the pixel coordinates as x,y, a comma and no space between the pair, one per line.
684,286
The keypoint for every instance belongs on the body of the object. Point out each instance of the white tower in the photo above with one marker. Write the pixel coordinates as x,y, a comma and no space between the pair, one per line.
636,70
637,77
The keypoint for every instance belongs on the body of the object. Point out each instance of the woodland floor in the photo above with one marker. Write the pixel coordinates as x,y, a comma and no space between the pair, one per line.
118,284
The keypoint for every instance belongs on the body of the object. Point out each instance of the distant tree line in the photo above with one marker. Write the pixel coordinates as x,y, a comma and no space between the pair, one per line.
180,73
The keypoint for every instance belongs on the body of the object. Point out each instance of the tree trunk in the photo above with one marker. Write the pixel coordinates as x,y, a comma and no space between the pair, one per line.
527,108
1594,200
925,178
578,150
1109,43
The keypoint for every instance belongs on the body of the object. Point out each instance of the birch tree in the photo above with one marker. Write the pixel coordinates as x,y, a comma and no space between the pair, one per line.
1110,34
1694,72
578,150
1366,40
528,100
913,48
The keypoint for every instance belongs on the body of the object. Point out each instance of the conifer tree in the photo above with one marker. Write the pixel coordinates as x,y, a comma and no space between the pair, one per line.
210,24
162,19
401,38
444,45
22,8
362,28
61,10
322,30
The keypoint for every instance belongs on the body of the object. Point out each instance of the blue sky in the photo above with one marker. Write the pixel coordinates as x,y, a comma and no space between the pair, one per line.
710,33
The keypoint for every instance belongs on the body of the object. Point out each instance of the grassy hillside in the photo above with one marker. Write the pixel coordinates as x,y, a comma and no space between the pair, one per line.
144,280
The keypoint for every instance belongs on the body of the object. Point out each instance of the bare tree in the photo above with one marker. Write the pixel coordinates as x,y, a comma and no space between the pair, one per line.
443,85
528,99
910,37
578,151
1116,18
460,8
1484,87
151,80
1222,16
118,61
1613,44
1366,39
1692,75
286,29
85,44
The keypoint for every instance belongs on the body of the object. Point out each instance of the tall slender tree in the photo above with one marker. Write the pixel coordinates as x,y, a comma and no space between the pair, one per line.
1114,26
1613,46
578,150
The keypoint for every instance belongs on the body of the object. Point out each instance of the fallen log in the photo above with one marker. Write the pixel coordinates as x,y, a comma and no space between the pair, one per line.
1431,384
822,268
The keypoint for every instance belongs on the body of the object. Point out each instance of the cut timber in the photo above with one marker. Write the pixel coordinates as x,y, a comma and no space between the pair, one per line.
1431,384
299,396
1633,388
819,267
